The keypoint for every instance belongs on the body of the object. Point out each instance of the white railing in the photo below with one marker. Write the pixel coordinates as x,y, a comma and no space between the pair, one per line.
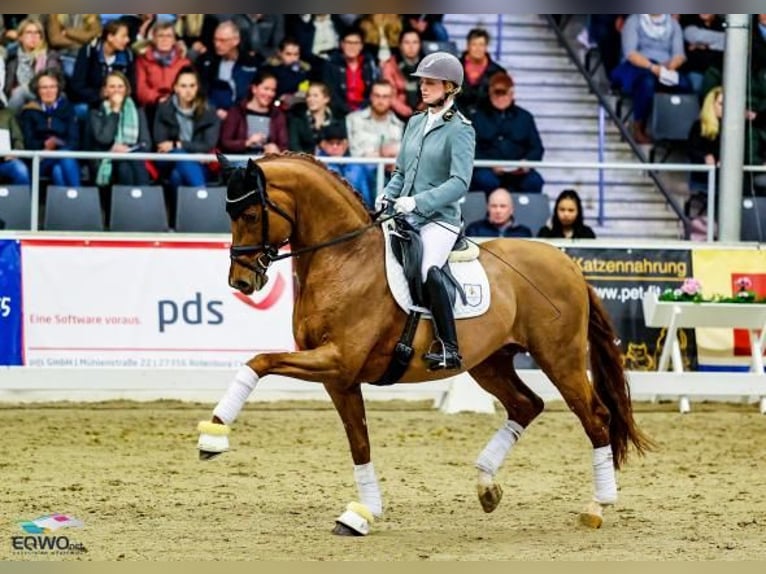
37,156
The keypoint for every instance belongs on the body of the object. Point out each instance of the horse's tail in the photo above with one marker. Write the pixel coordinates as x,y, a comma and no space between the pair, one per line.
610,383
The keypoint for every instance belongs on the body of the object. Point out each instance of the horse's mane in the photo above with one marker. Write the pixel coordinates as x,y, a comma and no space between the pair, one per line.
311,159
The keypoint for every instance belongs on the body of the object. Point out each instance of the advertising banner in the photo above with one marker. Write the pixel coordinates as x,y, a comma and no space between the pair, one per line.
621,277
10,303
147,305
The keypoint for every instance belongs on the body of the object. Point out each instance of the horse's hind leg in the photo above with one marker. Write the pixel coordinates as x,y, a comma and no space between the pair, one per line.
565,366
358,517
497,376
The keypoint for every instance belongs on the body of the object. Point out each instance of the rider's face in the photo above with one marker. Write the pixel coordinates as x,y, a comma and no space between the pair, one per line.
431,90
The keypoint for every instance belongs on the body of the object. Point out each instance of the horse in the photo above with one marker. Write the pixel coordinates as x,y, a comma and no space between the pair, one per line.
346,323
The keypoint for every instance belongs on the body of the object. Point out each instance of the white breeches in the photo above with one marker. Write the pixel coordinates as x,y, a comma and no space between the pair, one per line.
438,240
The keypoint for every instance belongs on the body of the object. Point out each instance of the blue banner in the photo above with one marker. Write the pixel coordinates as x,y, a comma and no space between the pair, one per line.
11,352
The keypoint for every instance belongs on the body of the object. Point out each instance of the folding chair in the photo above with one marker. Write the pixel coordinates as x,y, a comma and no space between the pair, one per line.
138,208
672,118
753,219
201,210
531,209
15,207
73,209
474,207
445,46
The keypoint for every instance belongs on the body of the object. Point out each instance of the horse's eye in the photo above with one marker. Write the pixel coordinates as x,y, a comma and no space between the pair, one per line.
250,218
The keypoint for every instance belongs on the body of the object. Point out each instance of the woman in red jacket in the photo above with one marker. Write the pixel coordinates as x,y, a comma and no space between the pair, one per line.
256,125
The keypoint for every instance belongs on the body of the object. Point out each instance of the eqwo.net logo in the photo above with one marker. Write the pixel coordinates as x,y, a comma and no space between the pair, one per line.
44,534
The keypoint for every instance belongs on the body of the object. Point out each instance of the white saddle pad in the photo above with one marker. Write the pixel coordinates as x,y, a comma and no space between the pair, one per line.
469,274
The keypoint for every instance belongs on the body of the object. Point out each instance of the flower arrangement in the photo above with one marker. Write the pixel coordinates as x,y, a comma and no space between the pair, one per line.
691,291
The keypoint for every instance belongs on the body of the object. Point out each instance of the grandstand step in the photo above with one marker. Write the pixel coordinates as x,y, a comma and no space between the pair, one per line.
582,109
534,78
588,126
527,92
632,229
574,155
630,210
569,177
519,63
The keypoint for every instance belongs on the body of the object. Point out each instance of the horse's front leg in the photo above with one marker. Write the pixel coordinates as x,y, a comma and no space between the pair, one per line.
317,364
358,517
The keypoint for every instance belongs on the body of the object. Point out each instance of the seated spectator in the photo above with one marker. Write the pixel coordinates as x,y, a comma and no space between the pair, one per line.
119,126
157,67
567,221
398,70
31,57
604,31
95,60
291,72
653,53
704,39
185,123
349,73
505,131
226,73
380,33
67,33
196,31
256,126
756,93
479,68
428,26
318,35
499,221
13,171
261,33
49,123
705,137
333,142
375,131
307,120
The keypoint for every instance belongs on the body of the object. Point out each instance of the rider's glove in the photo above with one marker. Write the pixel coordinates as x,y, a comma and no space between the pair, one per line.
405,204
382,201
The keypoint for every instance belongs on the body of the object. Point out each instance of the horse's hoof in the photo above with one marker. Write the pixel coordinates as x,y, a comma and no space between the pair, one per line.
593,515
490,496
343,530
207,455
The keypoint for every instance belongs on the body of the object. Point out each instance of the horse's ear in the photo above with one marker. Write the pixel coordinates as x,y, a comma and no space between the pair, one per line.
254,174
226,166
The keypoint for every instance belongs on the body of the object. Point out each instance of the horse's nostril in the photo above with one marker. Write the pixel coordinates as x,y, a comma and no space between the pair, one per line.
240,284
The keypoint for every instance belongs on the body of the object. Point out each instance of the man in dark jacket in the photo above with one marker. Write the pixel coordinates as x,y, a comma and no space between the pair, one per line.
479,68
499,221
227,71
505,131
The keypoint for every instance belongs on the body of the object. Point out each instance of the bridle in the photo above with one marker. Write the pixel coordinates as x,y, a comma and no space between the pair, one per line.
268,252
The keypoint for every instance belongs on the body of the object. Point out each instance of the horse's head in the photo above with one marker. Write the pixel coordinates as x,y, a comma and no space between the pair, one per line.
260,226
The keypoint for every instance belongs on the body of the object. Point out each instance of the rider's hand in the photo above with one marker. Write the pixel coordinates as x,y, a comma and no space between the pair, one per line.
382,201
405,204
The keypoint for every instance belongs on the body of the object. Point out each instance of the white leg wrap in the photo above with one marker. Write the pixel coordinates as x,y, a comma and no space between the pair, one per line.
234,399
498,447
604,483
368,488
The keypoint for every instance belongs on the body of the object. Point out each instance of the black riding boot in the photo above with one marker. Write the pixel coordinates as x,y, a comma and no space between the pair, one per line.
444,324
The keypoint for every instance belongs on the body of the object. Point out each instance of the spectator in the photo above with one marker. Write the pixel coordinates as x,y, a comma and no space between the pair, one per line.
757,90
333,142
604,31
380,33
49,123
318,35
291,72
705,137
499,221
31,57
157,68
567,220
397,71
349,73
261,33
13,171
9,34
256,125
375,131
479,68
653,53
428,26
505,131
67,33
307,120
704,43
119,126
185,123
196,32
96,60
227,72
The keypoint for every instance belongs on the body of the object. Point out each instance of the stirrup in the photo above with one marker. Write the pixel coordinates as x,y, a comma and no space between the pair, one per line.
443,360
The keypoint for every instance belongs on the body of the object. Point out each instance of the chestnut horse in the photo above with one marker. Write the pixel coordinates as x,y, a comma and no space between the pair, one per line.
346,324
